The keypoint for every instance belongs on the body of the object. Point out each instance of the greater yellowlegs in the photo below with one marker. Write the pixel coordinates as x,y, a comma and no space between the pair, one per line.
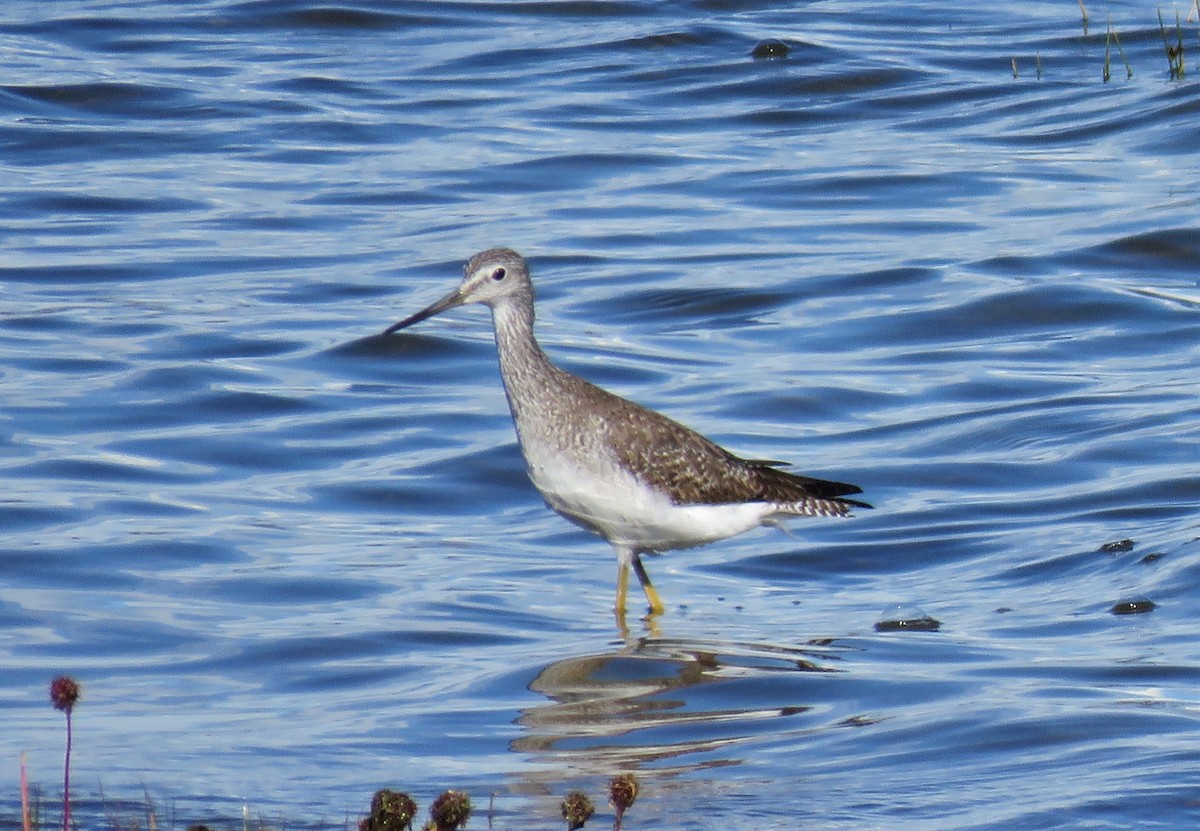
635,477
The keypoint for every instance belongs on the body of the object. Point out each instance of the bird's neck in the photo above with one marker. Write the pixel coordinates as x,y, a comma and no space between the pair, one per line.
527,372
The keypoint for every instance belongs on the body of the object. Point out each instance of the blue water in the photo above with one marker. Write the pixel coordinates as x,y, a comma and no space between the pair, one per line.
291,563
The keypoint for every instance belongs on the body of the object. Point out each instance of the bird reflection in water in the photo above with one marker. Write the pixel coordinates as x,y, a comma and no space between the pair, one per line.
661,698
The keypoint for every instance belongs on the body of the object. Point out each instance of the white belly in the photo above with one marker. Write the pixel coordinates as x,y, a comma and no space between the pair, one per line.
611,502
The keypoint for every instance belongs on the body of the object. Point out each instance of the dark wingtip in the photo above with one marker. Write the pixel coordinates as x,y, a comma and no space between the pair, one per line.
829,490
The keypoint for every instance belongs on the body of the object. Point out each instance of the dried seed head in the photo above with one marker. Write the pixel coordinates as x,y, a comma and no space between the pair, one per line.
450,810
64,692
390,811
623,790
577,809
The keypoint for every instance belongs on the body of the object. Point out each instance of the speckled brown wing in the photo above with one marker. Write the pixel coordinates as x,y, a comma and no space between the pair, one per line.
697,471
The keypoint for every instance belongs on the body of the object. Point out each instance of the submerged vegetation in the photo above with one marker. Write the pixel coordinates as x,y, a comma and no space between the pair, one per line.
1174,50
1173,40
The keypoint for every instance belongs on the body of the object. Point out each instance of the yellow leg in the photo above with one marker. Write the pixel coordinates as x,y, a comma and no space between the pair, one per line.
622,587
656,604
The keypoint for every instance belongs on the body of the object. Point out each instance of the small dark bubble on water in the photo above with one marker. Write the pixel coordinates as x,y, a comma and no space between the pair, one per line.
769,49
1151,558
1137,606
812,666
925,624
907,619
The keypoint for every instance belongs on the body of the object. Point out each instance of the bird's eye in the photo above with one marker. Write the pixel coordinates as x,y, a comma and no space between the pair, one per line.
498,274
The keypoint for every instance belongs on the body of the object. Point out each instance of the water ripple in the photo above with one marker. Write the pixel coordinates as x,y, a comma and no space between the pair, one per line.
929,251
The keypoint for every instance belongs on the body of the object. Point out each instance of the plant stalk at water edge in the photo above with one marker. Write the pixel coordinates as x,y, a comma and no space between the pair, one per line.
64,692
26,822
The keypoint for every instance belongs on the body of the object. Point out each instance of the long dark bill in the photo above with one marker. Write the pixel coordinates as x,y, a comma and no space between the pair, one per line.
451,300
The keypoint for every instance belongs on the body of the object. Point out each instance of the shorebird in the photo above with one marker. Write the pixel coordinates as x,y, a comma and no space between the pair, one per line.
644,482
